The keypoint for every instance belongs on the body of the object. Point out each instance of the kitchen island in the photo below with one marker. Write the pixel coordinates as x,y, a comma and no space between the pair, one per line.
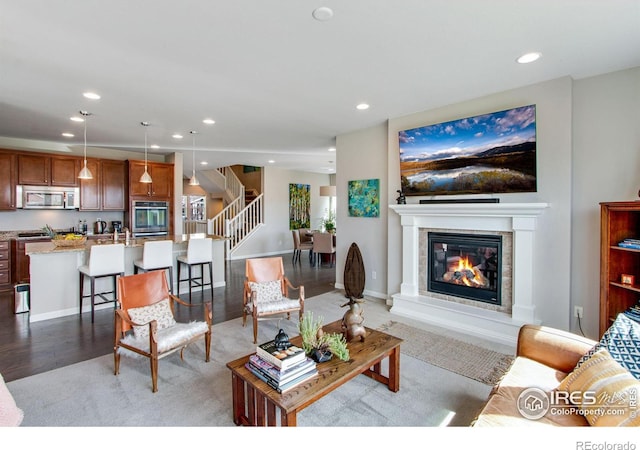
55,281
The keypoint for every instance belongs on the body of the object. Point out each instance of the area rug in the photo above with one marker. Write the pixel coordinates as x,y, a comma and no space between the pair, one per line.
194,393
471,361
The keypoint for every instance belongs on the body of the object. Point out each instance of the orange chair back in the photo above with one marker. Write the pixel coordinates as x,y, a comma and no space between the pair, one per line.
264,269
142,289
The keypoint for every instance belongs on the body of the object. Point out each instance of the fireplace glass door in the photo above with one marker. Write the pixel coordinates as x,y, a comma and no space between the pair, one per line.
465,265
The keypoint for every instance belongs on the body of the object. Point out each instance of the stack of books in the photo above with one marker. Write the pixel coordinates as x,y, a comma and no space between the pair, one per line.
630,243
282,370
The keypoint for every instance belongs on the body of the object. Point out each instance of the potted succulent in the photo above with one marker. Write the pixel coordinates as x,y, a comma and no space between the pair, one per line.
321,346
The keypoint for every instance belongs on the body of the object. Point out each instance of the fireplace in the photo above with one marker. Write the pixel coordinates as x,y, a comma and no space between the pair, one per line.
465,265
515,223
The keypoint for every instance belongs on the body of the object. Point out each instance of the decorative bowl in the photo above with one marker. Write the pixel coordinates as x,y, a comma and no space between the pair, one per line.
75,242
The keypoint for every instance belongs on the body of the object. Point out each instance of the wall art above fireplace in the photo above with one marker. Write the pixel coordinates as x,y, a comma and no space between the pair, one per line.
486,154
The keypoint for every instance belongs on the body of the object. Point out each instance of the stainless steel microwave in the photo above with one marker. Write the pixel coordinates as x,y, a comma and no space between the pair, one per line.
47,197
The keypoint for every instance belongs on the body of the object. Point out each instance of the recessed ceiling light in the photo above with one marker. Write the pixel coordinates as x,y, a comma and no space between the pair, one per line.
91,95
322,14
271,161
332,149
68,134
204,163
77,119
154,146
209,121
177,136
362,106
529,57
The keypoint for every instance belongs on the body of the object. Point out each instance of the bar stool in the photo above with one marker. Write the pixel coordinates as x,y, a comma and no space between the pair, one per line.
199,253
156,255
104,261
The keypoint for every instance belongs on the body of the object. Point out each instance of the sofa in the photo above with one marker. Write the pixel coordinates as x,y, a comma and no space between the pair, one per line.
563,379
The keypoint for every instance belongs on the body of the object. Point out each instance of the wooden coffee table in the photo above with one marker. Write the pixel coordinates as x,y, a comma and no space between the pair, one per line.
255,402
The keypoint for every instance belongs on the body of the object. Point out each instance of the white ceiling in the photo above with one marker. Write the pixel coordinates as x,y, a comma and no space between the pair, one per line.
279,84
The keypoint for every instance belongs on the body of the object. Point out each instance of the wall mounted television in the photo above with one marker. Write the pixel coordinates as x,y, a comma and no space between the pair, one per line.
486,154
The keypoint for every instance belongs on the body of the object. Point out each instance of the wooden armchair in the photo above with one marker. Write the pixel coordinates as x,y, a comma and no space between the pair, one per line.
145,323
266,292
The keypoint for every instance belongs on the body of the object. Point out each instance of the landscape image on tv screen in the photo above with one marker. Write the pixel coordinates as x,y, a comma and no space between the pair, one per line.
486,154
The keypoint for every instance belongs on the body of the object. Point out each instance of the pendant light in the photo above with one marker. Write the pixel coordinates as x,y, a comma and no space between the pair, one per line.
85,173
193,181
145,178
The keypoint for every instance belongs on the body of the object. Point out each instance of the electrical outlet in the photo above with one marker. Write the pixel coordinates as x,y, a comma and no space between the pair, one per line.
577,312
373,274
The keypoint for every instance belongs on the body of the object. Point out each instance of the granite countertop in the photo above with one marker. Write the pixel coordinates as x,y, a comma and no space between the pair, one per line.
49,247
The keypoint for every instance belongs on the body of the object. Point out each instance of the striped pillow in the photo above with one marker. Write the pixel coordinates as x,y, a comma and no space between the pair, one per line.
615,389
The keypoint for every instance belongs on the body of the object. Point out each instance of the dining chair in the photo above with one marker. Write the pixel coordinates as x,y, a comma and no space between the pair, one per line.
323,245
299,245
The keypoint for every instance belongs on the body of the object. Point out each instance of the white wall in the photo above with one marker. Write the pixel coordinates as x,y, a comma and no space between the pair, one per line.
274,236
588,151
362,156
553,106
606,167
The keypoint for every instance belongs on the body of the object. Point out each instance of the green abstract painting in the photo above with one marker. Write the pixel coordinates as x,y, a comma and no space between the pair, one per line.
364,198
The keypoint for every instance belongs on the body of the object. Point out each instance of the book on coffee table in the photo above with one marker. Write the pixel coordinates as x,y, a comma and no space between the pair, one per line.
278,375
280,358
280,388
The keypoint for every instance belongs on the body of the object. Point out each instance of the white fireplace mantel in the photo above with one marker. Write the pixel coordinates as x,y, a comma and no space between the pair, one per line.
517,218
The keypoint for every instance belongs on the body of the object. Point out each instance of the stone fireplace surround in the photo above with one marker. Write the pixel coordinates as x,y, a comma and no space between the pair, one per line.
519,219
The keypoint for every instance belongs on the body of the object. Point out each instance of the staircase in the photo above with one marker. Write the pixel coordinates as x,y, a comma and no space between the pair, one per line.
242,215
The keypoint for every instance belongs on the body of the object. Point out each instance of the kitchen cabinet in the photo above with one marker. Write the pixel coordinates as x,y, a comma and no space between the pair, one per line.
7,181
618,221
114,182
5,266
90,190
43,170
106,191
162,175
20,260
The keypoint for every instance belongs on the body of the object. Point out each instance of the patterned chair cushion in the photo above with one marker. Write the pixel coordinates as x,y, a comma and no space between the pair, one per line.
268,291
622,340
270,298
160,311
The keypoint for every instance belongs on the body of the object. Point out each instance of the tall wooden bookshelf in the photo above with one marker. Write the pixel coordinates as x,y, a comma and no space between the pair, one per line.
618,221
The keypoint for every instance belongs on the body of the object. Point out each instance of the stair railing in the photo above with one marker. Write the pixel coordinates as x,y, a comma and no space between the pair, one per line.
239,227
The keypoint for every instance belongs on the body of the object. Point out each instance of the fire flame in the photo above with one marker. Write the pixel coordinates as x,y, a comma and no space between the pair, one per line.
465,267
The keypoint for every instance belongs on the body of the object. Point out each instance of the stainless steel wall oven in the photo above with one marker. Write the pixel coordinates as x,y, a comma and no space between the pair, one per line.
150,218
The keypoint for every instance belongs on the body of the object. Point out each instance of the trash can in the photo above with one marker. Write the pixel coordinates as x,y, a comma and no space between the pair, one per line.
21,298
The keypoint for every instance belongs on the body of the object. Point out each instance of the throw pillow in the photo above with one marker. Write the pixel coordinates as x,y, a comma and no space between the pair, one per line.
268,291
622,340
160,311
612,391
